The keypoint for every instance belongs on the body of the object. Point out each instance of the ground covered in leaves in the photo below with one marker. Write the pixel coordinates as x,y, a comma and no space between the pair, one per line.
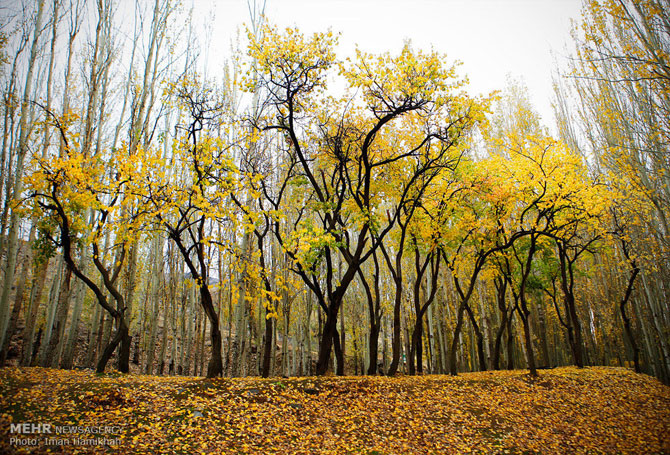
565,410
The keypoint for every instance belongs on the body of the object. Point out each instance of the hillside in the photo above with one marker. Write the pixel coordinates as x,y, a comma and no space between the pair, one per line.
566,410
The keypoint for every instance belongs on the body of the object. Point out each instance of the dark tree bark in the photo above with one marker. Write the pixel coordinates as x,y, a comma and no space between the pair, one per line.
626,320
462,308
510,341
501,293
199,274
353,167
567,286
416,348
374,316
634,272
523,310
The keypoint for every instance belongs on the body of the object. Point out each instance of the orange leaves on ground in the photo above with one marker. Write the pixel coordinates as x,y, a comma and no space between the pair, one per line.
566,410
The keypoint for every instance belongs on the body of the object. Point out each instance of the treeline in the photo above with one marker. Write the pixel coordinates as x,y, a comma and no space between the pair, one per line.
257,222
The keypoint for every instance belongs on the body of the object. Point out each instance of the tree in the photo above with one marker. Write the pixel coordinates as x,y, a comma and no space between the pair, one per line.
619,80
338,155
187,202
61,189
17,184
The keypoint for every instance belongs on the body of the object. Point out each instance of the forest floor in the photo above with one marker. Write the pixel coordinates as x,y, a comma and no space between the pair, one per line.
565,410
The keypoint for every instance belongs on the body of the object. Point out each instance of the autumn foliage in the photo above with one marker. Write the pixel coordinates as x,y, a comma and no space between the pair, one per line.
566,410
298,212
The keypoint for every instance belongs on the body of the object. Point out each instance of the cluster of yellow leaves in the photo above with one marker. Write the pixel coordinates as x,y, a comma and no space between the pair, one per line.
306,244
289,58
566,410
75,182
390,81
544,172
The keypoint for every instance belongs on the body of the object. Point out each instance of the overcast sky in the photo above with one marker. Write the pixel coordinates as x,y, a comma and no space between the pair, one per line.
492,38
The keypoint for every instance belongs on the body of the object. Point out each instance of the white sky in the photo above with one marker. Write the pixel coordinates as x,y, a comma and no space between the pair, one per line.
493,38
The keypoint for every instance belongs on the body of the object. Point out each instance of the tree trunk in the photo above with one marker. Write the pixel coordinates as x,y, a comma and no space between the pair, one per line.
267,346
626,320
510,341
478,337
71,342
38,280
453,369
396,346
51,353
525,312
121,332
501,288
215,366
530,357
18,298
14,223
574,329
373,350
326,342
